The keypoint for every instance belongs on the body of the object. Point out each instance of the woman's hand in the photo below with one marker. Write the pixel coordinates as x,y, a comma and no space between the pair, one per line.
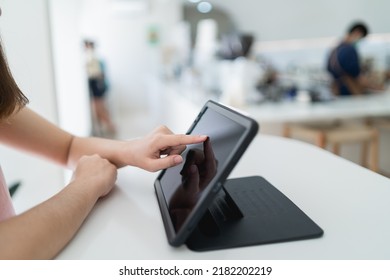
160,149
95,174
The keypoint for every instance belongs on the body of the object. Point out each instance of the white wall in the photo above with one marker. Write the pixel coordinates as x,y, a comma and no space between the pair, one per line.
69,67
26,38
298,19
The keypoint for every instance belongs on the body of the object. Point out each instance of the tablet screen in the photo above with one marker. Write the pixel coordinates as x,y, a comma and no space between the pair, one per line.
184,192
184,185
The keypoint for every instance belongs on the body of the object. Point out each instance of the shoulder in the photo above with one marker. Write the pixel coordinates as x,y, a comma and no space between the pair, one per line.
345,49
347,53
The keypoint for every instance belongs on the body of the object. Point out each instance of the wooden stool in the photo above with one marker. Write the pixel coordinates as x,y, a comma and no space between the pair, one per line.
382,124
379,123
336,134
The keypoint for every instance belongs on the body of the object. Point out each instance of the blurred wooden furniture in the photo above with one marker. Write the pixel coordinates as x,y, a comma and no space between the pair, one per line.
298,118
380,123
336,134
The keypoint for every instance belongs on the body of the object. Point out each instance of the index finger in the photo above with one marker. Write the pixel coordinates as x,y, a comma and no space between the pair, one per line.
181,139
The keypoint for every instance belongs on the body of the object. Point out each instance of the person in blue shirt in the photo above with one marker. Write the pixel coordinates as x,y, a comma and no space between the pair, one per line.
343,63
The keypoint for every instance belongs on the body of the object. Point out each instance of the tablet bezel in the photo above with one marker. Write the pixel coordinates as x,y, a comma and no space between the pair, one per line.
251,128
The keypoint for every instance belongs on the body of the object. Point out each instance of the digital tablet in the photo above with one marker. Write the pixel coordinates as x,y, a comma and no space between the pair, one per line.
184,192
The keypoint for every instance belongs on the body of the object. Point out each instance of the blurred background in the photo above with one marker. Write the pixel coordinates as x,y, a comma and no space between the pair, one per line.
164,58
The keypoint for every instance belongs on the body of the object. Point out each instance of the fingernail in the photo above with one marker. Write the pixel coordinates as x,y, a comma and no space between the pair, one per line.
177,159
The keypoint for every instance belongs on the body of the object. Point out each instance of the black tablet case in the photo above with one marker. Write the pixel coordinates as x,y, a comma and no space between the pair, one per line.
241,212
251,129
251,211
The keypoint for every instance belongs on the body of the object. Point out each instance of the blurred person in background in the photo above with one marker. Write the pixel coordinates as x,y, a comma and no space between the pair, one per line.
98,87
240,72
345,67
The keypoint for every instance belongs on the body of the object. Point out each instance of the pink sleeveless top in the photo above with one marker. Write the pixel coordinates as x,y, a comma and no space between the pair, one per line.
6,207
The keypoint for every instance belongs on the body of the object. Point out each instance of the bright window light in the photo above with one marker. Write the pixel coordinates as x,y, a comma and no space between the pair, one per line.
204,7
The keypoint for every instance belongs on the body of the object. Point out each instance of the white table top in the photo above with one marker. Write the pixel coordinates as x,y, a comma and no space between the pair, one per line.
349,202
373,105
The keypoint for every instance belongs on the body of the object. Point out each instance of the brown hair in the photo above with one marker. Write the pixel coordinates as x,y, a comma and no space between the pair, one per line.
12,98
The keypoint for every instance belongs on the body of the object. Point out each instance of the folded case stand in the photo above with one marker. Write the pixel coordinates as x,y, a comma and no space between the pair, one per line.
250,211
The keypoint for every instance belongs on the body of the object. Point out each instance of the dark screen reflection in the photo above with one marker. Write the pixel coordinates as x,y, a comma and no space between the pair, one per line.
184,184
200,167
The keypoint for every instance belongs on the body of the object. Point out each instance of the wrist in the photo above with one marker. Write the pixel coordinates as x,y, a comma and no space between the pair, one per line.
123,154
83,191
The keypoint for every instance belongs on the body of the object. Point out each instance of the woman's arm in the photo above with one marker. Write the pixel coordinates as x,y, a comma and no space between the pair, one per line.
30,132
43,231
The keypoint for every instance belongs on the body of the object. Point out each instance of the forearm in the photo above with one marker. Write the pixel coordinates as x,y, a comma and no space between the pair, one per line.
43,231
28,131
112,150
